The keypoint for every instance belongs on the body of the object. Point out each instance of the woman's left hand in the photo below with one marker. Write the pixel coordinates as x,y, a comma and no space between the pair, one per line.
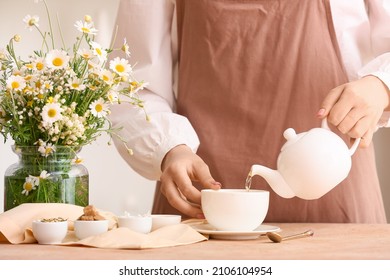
356,107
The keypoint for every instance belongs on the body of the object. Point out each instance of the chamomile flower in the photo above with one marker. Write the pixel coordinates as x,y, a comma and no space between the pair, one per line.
86,54
112,96
39,63
57,59
107,76
31,21
125,47
51,113
44,175
120,66
28,186
99,51
76,84
46,149
77,160
16,82
86,27
99,108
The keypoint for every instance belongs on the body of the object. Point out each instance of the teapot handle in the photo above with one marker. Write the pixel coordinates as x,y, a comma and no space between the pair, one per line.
352,150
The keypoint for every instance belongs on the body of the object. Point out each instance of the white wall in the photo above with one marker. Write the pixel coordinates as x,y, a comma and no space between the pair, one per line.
113,185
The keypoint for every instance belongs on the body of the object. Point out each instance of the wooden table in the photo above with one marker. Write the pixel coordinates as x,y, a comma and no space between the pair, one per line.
330,242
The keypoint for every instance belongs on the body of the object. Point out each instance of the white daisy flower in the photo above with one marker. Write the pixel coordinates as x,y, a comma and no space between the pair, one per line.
120,66
17,83
57,59
46,149
51,113
31,21
107,76
99,51
76,84
125,48
112,96
99,108
86,53
28,186
48,85
86,27
39,63
44,175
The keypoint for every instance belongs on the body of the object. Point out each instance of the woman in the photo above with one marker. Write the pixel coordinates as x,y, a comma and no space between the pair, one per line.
228,77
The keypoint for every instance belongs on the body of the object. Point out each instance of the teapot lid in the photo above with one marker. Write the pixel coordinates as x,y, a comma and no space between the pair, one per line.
291,136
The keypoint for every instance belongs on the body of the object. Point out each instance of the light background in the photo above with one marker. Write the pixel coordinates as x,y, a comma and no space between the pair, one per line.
113,185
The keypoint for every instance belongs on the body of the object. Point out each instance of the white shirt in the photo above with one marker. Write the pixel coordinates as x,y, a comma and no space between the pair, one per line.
363,33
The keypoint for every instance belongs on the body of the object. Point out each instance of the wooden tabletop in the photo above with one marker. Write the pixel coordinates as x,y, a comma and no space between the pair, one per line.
329,242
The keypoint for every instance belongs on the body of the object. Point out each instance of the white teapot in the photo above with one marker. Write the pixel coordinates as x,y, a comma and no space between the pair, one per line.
310,164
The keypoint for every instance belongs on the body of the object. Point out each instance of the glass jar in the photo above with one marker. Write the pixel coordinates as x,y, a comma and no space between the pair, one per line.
49,176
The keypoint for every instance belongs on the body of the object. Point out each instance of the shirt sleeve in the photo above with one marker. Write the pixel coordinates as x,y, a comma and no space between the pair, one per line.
379,18
147,26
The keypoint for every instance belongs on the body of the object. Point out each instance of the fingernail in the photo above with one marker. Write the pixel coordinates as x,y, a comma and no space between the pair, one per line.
216,183
321,112
200,216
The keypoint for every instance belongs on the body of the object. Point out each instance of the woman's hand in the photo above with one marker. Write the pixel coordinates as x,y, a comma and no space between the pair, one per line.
356,107
180,168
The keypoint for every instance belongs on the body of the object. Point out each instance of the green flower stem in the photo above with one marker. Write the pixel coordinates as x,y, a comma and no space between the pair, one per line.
50,25
43,37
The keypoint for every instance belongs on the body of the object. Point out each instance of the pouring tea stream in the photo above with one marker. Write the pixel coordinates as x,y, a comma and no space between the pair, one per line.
309,165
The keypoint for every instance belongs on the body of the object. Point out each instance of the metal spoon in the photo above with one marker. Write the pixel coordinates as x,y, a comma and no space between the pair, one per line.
277,238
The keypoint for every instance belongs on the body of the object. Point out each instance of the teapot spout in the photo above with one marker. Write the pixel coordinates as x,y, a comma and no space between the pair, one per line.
274,179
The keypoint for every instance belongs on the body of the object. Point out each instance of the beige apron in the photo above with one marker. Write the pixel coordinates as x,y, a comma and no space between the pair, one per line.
248,70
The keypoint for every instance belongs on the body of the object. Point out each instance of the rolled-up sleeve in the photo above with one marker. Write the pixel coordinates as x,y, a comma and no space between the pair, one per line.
147,26
379,66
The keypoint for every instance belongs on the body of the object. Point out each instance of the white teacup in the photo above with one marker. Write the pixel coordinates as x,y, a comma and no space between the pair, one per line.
235,209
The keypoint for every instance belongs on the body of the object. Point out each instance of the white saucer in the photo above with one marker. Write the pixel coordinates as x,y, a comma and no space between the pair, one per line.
234,235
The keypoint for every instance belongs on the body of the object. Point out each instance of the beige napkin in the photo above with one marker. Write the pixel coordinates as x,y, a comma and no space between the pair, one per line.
15,227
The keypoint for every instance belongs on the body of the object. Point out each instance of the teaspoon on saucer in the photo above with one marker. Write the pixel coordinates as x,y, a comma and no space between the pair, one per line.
277,238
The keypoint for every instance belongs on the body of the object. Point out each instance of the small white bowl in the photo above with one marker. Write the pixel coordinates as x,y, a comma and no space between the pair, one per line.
84,229
141,224
162,220
49,232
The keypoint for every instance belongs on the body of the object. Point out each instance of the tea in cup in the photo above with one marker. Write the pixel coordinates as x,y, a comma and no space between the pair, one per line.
235,209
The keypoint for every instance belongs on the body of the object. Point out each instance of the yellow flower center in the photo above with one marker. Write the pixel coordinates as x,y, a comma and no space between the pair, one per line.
28,186
31,22
86,30
105,78
58,61
51,113
48,150
75,85
98,51
40,96
39,65
120,68
15,84
98,108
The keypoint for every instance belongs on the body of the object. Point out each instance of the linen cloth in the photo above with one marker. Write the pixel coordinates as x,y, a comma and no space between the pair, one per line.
16,228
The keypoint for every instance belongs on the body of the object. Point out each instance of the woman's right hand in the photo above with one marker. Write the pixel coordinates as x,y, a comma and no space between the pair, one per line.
180,168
